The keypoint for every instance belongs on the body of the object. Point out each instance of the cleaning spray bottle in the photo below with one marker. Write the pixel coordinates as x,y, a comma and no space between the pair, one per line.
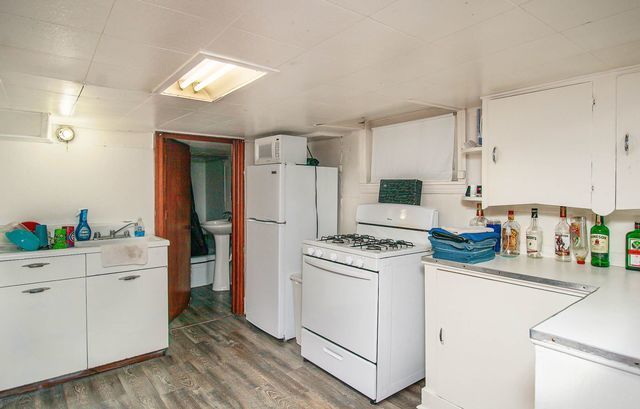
83,231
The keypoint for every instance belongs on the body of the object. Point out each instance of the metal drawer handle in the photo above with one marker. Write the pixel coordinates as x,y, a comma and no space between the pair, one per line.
35,265
129,278
37,290
440,337
332,354
626,143
493,154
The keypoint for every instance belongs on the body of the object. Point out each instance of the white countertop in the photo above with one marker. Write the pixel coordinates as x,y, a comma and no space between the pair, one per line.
606,322
92,246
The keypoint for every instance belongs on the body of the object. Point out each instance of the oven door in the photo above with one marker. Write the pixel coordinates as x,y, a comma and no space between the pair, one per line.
340,303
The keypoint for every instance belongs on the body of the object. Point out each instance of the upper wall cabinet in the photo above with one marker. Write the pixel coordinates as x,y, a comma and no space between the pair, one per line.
628,142
538,147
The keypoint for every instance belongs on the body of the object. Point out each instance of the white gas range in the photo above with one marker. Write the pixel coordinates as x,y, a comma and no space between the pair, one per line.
363,299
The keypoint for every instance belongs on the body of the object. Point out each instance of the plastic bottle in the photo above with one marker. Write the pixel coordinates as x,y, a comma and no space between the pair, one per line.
83,231
139,229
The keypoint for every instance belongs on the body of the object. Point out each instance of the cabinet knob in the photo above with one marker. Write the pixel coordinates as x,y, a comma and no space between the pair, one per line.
440,337
626,143
493,154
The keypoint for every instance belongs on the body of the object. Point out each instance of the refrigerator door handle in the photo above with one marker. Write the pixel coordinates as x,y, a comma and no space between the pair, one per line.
265,221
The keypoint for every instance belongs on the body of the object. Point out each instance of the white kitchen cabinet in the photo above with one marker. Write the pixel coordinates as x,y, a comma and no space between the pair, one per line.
628,142
538,147
478,352
43,331
571,379
127,315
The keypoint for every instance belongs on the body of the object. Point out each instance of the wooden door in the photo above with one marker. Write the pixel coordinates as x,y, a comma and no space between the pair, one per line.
177,204
537,148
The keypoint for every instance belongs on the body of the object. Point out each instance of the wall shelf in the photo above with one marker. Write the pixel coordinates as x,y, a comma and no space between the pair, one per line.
471,199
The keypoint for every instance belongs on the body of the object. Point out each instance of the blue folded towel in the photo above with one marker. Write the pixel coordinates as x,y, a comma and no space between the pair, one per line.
443,234
463,256
469,246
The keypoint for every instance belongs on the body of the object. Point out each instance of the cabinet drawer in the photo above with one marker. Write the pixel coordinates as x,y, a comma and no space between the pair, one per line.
157,258
349,368
36,270
43,331
127,315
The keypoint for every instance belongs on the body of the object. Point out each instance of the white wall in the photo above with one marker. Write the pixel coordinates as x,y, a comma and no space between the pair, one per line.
110,173
351,154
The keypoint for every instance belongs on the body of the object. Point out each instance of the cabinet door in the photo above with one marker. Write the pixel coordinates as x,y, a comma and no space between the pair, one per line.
43,331
127,315
482,357
537,148
628,142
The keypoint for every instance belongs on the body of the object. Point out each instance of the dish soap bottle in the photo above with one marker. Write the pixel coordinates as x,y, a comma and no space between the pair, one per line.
600,243
83,231
139,229
633,248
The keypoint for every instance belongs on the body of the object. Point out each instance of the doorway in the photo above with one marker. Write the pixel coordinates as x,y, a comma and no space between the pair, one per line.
177,215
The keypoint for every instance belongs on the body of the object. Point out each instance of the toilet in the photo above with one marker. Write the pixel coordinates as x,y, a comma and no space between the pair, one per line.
202,268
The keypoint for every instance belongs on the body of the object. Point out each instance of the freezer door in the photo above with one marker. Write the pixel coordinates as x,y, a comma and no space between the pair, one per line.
266,192
264,287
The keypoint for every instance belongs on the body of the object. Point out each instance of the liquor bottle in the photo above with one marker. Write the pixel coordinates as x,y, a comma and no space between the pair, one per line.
563,237
633,248
599,243
534,236
479,220
510,237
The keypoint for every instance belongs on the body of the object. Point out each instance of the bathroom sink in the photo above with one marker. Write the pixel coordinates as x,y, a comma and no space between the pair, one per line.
217,227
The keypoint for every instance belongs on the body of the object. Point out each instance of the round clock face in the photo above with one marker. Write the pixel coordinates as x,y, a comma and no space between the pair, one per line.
65,134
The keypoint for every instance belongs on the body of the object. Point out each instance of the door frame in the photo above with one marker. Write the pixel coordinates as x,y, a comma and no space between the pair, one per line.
237,207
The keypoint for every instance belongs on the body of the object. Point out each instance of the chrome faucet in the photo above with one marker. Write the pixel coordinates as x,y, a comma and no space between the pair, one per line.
227,215
113,233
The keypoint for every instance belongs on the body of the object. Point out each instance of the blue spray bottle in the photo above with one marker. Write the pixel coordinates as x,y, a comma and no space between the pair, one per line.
83,231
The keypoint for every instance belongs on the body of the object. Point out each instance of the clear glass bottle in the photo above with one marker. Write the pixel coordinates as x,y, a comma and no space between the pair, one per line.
563,237
510,237
479,220
599,243
534,236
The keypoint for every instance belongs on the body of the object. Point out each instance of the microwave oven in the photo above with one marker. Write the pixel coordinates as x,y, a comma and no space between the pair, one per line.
287,149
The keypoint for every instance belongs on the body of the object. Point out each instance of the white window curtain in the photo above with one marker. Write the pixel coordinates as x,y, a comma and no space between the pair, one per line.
421,149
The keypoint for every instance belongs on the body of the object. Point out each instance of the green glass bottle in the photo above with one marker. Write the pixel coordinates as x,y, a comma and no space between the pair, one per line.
599,243
633,249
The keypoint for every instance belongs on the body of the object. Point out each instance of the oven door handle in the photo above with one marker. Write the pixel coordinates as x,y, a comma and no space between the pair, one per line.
335,268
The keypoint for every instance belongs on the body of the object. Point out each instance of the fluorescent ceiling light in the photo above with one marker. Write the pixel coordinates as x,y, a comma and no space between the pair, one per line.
209,78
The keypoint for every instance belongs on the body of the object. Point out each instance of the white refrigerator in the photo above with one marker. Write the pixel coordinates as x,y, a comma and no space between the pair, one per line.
286,204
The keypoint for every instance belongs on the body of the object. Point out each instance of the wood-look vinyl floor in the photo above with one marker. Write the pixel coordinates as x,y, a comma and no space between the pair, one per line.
215,360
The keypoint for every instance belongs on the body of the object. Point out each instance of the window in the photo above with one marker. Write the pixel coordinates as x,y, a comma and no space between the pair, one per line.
421,149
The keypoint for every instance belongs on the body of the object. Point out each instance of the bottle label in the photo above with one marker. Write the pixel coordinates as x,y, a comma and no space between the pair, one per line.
634,253
599,243
532,244
563,242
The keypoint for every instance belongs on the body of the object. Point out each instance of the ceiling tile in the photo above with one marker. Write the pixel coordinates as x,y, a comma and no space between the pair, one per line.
619,56
564,14
218,10
115,94
90,15
86,106
433,19
42,64
34,35
253,48
118,76
224,108
159,61
38,100
364,7
611,31
41,83
144,23
497,33
300,22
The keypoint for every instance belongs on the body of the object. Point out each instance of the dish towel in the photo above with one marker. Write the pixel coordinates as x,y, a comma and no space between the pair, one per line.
123,254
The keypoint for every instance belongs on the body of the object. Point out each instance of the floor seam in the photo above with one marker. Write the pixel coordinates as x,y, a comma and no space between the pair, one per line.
200,323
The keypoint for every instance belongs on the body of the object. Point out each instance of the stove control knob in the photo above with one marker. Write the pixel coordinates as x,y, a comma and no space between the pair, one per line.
348,260
333,257
310,251
319,253
359,263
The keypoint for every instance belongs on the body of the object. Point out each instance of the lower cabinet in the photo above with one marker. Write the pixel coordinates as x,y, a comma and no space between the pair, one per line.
479,355
127,315
43,331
